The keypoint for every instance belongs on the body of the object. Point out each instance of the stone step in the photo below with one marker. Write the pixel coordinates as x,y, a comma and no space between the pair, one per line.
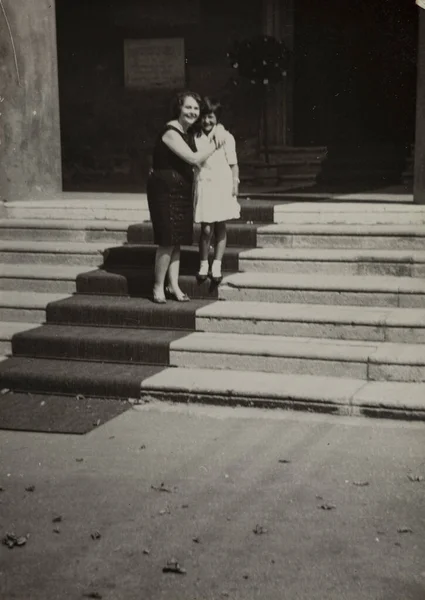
120,380
402,263
26,307
105,344
40,230
110,311
385,197
55,279
347,213
7,331
90,255
379,237
367,360
133,281
105,213
146,382
401,325
116,232
115,208
140,255
121,207
340,322
301,392
53,253
353,290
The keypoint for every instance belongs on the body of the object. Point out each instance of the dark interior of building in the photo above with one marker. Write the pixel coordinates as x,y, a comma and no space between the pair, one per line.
354,73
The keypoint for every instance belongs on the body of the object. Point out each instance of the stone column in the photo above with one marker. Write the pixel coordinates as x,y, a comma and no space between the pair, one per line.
419,164
278,21
30,163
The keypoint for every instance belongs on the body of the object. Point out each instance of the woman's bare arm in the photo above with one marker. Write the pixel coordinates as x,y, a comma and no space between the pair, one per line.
176,144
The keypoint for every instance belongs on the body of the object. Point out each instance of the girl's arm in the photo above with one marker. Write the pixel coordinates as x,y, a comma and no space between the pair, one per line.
232,159
235,175
176,144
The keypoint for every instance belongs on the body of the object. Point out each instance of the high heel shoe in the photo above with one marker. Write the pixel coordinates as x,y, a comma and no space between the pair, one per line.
216,275
173,296
217,279
201,277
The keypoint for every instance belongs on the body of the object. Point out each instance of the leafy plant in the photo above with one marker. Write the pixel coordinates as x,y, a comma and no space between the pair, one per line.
264,61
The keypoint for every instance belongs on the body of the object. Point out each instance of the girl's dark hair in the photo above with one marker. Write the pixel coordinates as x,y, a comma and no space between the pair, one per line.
179,101
211,105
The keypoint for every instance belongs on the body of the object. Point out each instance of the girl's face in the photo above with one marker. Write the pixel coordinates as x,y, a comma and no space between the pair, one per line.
208,122
189,112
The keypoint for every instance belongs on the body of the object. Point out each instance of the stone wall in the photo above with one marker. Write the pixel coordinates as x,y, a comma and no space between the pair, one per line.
29,121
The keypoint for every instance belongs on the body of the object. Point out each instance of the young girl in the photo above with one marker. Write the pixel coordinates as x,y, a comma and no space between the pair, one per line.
216,191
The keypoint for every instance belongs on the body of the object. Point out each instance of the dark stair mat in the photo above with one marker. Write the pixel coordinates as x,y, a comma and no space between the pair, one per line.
57,414
144,256
113,311
238,234
144,346
113,380
257,211
137,282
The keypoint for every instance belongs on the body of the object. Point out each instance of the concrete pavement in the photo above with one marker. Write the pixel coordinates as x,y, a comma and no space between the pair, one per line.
222,468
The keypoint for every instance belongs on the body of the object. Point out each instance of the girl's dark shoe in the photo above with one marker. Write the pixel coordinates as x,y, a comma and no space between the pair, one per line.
201,277
216,276
217,280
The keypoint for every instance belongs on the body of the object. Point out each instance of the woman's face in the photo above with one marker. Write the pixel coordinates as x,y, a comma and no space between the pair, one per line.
208,122
189,112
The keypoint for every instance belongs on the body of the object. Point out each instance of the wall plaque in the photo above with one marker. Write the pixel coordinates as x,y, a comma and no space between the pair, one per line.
154,64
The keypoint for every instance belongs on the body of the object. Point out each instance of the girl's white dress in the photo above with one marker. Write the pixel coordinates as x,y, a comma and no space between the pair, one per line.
213,199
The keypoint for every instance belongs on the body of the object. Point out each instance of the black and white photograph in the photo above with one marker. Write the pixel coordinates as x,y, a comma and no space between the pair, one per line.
212,299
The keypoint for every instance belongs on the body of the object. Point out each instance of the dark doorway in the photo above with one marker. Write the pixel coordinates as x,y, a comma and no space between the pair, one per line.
355,87
355,71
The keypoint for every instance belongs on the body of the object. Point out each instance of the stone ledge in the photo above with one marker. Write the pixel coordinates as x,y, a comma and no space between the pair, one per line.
311,393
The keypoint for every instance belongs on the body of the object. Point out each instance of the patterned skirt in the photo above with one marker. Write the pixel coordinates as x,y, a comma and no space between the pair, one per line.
170,201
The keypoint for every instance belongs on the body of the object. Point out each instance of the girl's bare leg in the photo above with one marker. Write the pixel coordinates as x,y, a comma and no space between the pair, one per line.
220,247
204,247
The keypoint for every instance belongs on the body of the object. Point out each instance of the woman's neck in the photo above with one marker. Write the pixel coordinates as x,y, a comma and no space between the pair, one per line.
184,127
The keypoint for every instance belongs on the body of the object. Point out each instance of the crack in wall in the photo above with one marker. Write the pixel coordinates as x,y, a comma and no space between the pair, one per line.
15,57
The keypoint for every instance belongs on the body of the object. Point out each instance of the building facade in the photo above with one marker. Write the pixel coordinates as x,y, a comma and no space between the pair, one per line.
82,95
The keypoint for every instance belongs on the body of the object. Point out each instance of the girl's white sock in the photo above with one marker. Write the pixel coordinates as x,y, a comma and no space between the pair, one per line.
216,268
203,269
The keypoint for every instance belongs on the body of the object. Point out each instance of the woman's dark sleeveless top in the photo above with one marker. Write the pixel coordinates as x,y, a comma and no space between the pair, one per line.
165,159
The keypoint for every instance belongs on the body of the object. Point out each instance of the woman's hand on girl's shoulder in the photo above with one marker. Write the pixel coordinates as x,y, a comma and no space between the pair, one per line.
219,135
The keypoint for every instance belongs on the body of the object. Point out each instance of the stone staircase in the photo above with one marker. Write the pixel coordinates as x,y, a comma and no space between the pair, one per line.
289,167
322,306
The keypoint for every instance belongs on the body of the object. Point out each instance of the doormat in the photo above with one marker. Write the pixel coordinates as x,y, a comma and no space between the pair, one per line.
56,413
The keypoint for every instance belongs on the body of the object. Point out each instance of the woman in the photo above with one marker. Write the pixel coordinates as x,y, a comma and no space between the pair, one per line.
170,193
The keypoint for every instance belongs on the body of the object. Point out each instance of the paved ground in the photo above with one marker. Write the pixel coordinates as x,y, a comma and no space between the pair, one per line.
222,467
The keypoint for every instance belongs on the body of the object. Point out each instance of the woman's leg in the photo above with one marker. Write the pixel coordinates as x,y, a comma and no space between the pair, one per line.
220,247
173,275
162,263
204,247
